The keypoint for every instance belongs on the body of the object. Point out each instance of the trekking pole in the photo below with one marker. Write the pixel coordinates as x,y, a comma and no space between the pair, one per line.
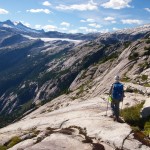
107,107
122,105
109,99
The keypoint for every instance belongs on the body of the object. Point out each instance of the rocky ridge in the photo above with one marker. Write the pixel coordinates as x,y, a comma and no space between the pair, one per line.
79,116
73,124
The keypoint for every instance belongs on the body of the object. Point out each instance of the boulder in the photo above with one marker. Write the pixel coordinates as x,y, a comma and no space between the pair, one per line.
145,111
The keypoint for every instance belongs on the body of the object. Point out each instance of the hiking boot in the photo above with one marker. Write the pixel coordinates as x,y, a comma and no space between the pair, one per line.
115,119
120,120
111,116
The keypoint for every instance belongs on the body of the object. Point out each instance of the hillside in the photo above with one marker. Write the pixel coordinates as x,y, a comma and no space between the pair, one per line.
73,79
40,69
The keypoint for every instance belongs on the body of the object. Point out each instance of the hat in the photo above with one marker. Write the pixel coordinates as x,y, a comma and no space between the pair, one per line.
117,78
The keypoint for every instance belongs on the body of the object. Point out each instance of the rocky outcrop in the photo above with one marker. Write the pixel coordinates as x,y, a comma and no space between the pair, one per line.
145,111
81,124
85,71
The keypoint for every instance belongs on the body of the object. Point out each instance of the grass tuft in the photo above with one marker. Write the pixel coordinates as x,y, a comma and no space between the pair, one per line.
14,140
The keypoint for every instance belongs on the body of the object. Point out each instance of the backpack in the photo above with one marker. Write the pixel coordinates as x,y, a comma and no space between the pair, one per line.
117,91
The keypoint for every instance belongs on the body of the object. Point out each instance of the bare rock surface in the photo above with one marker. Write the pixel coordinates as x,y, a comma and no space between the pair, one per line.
145,112
82,124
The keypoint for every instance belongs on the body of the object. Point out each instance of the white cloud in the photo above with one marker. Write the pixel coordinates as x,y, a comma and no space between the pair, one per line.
3,11
65,24
115,29
131,21
63,29
95,25
147,9
73,31
111,19
38,26
47,11
24,23
80,7
27,24
86,29
117,4
88,20
49,28
104,30
46,3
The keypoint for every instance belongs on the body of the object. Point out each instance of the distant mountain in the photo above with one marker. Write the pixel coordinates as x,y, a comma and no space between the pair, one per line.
34,70
13,39
77,36
18,26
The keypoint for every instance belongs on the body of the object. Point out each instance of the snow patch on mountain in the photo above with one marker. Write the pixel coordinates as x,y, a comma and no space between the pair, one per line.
53,39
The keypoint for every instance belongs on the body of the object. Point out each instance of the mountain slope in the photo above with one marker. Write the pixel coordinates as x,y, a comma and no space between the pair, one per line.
35,71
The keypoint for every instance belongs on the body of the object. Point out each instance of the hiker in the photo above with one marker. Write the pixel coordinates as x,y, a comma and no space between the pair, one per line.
117,94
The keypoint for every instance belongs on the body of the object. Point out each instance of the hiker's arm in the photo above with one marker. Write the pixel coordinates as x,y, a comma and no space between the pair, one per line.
123,94
110,91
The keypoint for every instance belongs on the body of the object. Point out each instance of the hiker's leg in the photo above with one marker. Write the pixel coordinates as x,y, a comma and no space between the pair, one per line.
112,107
117,110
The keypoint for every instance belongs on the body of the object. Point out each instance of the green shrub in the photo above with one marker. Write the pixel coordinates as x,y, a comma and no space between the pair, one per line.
147,48
147,85
126,44
148,41
133,56
13,141
147,128
132,115
147,51
81,90
144,77
3,147
130,90
144,65
139,125
125,79
111,57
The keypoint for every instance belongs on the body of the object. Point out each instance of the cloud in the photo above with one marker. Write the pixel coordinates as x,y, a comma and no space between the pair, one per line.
47,11
37,26
115,29
147,9
73,31
104,30
111,19
49,28
95,25
26,24
46,27
86,29
3,11
65,24
80,7
88,20
63,29
46,3
117,4
131,21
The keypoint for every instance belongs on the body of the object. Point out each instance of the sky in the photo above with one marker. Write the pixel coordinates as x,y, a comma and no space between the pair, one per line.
77,16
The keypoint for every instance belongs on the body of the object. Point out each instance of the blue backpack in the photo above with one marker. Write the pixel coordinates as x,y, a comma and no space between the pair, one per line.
117,91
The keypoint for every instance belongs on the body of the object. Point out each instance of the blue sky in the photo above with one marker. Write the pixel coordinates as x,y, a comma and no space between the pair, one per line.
72,16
